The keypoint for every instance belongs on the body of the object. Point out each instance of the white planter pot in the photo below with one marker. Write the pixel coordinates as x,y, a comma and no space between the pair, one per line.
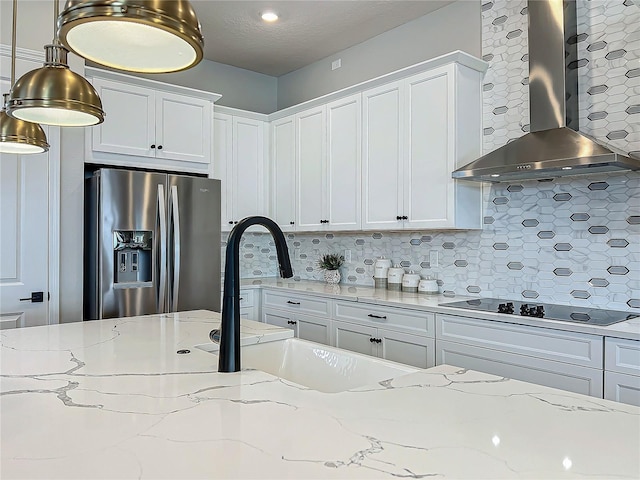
332,276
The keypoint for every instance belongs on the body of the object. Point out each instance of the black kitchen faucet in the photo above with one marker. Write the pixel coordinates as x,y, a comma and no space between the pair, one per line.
229,360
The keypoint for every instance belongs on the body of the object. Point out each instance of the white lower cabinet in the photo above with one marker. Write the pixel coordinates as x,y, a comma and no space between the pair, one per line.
306,327
308,316
622,370
559,359
395,334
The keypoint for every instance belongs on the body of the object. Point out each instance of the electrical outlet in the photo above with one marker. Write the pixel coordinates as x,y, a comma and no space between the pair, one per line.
347,256
336,64
433,258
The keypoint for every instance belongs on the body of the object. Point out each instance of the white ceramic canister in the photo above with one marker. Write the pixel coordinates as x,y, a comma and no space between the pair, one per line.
394,277
380,271
410,282
428,285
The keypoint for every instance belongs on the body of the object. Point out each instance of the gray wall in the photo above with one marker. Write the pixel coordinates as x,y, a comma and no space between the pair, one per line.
239,88
455,27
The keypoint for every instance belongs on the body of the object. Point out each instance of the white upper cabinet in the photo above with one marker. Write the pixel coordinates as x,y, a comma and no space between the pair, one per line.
328,165
343,204
223,163
416,131
239,162
382,163
130,130
311,168
183,128
148,127
283,172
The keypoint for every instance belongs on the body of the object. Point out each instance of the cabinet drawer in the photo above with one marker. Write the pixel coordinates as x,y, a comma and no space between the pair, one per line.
572,378
622,388
297,303
622,356
573,348
246,298
387,317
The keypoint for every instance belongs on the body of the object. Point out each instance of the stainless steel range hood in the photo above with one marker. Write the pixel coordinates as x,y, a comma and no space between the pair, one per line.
554,147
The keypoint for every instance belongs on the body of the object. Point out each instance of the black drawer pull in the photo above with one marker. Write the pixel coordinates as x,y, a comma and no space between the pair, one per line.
383,317
378,340
293,303
372,339
291,322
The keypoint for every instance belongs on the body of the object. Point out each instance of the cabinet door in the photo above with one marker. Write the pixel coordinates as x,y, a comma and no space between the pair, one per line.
311,169
283,171
129,125
344,163
356,338
248,168
222,163
183,128
382,127
409,349
279,319
314,329
428,186
622,388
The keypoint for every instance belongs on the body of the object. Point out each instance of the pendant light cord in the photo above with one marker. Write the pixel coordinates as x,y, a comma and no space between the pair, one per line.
13,43
56,12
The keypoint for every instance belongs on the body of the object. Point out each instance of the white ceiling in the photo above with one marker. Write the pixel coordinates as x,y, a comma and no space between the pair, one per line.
307,31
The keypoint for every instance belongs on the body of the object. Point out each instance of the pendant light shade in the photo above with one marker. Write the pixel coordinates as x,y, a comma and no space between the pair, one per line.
54,95
147,36
18,136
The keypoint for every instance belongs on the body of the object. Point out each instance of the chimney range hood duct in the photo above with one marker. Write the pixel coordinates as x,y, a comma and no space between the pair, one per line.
554,147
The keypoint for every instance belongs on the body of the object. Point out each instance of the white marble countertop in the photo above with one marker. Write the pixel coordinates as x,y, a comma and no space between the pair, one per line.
112,399
629,329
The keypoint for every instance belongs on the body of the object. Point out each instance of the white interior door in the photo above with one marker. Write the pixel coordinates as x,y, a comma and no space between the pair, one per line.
24,239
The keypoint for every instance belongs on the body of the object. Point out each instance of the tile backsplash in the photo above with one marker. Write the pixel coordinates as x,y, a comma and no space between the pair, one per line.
570,241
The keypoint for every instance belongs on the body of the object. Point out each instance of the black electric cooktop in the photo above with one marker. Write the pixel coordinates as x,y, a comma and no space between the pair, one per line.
564,313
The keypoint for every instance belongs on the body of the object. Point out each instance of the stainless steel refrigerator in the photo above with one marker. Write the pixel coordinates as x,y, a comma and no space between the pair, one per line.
152,243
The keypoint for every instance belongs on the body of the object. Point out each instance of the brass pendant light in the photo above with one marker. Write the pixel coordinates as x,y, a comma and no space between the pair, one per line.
18,136
53,94
147,36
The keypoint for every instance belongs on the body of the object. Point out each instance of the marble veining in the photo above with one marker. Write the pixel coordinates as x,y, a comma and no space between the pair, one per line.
79,401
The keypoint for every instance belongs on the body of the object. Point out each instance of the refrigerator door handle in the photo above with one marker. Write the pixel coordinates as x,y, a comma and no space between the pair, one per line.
174,216
161,220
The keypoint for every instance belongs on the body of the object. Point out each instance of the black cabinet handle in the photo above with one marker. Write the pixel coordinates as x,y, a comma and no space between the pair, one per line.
36,297
293,303
398,217
159,147
292,223
291,322
378,340
236,222
375,340
384,317
241,298
372,340
404,217
230,222
153,146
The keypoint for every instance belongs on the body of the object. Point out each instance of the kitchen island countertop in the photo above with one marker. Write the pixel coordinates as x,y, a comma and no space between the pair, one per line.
113,399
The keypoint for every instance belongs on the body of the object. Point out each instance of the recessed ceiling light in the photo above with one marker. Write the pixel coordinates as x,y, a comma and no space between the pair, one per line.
269,16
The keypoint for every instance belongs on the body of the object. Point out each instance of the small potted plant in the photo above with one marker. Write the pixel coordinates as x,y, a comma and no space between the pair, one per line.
330,263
